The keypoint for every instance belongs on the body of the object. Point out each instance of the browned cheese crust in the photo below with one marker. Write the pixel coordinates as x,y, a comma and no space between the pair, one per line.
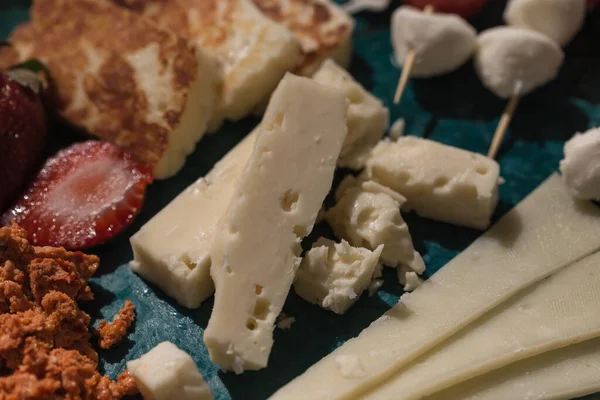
88,46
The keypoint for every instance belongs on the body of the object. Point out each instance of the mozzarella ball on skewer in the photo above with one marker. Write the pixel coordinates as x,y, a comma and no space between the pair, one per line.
580,168
560,20
442,42
515,61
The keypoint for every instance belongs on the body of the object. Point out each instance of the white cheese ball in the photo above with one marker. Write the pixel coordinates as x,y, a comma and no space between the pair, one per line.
581,166
442,42
560,20
514,61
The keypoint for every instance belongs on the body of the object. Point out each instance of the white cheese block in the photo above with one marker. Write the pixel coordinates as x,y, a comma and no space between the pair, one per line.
367,214
567,373
167,373
172,250
560,20
514,61
256,253
557,312
253,51
334,275
367,117
544,233
440,182
441,42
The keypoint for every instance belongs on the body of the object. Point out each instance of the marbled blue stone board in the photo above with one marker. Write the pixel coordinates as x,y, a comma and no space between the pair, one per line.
453,109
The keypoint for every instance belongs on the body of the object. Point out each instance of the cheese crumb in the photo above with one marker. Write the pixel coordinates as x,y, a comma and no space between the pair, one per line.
397,129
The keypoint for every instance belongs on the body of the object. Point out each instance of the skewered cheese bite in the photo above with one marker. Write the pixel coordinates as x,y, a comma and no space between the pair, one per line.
580,168
442,42
560,20
515,61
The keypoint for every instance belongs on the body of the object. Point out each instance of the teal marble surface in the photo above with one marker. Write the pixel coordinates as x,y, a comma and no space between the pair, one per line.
453,109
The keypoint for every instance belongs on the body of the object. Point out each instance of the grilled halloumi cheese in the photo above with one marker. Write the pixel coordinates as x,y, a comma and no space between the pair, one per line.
323,29
120,78
254,52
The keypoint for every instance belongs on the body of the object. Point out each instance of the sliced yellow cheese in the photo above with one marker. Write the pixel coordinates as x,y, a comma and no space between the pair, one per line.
544,233
566,373
256,251
557,312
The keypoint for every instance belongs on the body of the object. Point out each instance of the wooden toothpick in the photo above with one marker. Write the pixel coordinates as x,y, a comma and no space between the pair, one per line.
507,116
408,66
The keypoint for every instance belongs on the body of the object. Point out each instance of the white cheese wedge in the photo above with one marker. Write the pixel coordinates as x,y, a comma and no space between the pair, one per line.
544,233
172,250
256,253
367,214
253,51
334,275
367,117
567,373
440,182
167,373
557,312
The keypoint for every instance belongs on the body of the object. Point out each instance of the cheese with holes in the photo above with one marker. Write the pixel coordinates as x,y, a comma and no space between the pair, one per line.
167,373
172,250
367,117
440,182
557,312
567,373
149,91
547,231
322,28
334,275
367,214
253,52
256,252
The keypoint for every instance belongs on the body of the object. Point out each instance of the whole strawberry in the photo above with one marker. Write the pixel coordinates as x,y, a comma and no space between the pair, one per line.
23,131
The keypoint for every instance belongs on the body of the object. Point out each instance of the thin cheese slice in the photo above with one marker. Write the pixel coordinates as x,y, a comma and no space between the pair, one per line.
256,251
557,312
566,373
544,233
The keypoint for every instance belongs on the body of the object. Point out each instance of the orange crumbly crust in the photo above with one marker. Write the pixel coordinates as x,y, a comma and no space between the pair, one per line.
45,350
112,333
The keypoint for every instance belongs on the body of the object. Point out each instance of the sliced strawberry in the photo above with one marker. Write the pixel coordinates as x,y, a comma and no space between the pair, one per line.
465,8
83,196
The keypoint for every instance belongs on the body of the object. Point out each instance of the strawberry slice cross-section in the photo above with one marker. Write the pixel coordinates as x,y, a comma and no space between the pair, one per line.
83,196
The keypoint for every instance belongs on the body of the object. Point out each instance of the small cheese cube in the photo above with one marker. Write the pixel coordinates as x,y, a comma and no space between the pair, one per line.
256,252
333,275
514,61
441,42
368,214
168,373
439,182
560,20
253,52
321,27
146,90
367,117
172,250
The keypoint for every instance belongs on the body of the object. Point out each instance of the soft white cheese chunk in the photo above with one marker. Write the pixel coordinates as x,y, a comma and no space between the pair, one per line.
580,168
514,61
441,42
367,117
440,182
409,279
567,373
256,253
560,20
368,215
546,232
172,250
168,373
334,275
559,311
